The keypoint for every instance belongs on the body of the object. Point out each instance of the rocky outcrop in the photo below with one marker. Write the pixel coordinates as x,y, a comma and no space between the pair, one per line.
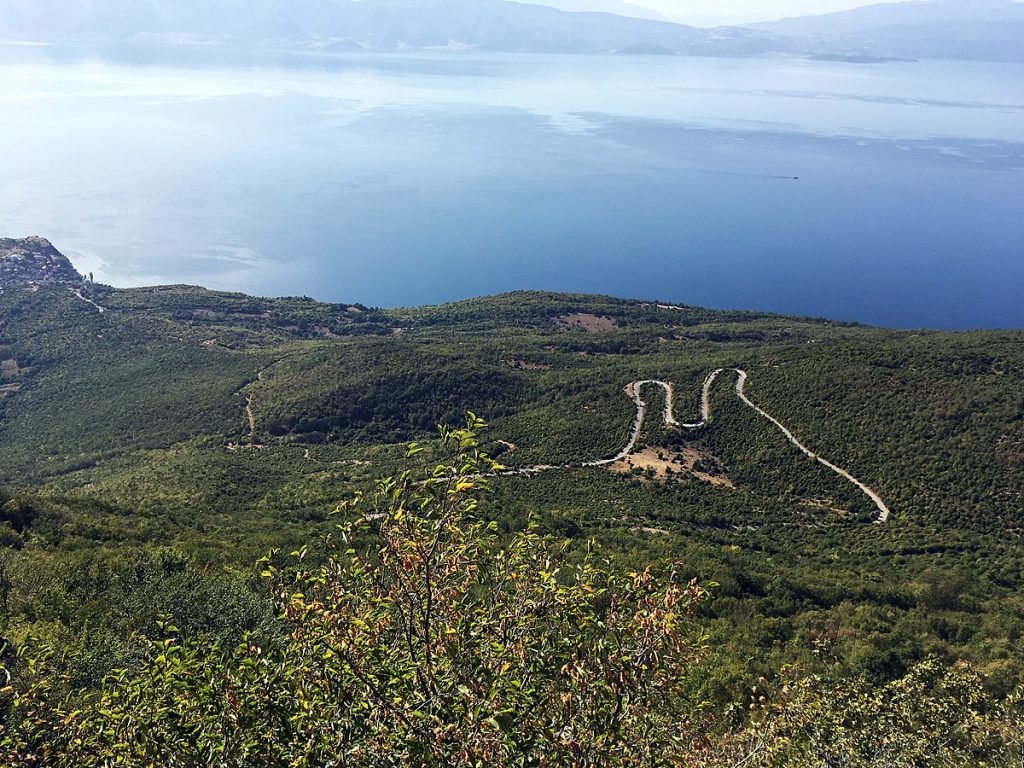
34,261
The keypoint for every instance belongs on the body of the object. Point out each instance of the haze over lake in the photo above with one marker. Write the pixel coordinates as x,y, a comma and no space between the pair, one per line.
884,193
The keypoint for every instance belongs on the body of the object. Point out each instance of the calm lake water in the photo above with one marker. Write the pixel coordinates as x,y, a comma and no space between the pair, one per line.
400,180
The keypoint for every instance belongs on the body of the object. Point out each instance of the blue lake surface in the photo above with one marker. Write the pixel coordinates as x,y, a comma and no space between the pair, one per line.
890,194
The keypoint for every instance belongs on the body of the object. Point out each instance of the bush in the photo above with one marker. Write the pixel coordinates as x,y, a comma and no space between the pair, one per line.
933,717
438,644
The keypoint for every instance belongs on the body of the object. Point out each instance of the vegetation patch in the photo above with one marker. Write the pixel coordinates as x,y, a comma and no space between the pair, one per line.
116,443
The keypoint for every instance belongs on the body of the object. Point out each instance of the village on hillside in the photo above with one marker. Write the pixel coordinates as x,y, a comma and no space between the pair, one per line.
34,261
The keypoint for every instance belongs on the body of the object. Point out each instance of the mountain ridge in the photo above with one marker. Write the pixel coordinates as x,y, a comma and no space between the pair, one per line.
498,25
937,29
952,29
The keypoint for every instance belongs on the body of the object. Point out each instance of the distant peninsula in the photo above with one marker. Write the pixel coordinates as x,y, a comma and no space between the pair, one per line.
34,261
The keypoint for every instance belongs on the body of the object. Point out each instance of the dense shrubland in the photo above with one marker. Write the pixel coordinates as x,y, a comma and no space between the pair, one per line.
137,490
425,638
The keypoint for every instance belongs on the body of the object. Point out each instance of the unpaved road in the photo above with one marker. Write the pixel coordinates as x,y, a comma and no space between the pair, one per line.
250,417
634,391
78,295
883,511
250,414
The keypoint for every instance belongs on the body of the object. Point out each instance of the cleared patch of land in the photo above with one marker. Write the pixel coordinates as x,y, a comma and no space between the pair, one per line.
524,365
584,321
666,465
10,369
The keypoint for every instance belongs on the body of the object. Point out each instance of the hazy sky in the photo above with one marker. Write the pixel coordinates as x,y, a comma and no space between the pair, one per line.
726,11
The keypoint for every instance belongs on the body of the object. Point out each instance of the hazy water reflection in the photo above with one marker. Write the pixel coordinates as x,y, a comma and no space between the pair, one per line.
883,193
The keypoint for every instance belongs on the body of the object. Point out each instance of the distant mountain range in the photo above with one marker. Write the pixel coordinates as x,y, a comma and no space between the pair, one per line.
962,29
946,29
620,7
498,25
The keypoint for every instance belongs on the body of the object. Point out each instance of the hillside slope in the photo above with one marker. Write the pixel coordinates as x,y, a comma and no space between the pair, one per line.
222,425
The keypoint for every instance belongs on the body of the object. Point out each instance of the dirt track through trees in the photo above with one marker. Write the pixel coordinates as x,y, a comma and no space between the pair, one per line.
634,391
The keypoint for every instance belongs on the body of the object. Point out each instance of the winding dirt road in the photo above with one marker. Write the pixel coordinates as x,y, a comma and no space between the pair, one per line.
634,391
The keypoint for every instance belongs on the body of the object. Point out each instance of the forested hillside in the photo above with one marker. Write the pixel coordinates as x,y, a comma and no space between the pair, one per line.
152,452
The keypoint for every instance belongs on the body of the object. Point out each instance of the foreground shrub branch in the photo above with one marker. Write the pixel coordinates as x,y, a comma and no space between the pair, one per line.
439,643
